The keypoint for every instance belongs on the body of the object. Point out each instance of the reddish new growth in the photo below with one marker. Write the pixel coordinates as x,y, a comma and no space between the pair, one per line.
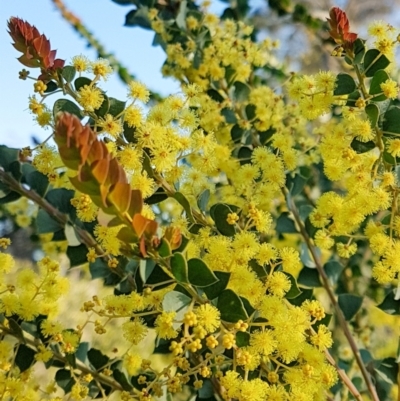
34,46
340,27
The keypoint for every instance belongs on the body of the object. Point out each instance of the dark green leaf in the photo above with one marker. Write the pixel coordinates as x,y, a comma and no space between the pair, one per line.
65,105
203,199
60,198
10,197
98,269
24,357
157,197
304,211
242,339
121,379
185,204
295,184
294,290
305,294
215,95
51,87
164,249
68,73
38,182
139,17
349,304
309,277
215,289
372,111
64,380
362,147
103,109
77,255
391,122
81,352
97,358
231,307
388,370
16,329
375,87
116,107
244,155
390,304
333,270
250,111
344,85
237,133
7,156
359,50
81,82
158,276
284,224
46,224
220,216
229,114
179,267
242,91
374,60
200,275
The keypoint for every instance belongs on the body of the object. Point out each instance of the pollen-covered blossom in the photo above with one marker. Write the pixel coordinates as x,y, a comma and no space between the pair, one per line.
164,325
90,97
390,89
81,63
208,316
101,68
134,330
110,125
323,338
138,90
278,284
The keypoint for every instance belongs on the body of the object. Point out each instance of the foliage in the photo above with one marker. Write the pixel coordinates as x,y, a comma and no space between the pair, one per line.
231,222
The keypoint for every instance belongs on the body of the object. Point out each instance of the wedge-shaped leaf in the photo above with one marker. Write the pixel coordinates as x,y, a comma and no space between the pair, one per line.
199,274
64,380
231,307
285,224
65,105
391,122
344,84
68,73
121,379
203,199
104,107
220,216
179,268
309,277
294,290
242,339
215,95
242,91
375,87
38,182
116,107
229,115
185,204
372,111
24,357
8,156
81,81
214,290
362,147
46,224
164,249
97,358
374,60
390,304
333,270
388,370
349,304
77,255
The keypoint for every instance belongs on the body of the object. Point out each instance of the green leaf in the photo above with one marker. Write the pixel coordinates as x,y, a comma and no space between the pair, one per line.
244,155
80,82
116,107
391,122
24,357
199,274
214,290
157,276
242,91
372,111
390,304
10,197
185,204
203,199
139,17
220,215
295,184
349,304
215,95
16,330
284,224
77,255
375,87
344,85
8,156
65,105
359,50
60,198
237,133
175,301
38,182
229,114
158,196
64,380
388,370
51,87
374,60
68,73
333,270
46,224
362,147
309,277
97,358
231,307
242,339
121,379
164,249
179,267
81,352
304,211
294,290
250,111
305,294
103,109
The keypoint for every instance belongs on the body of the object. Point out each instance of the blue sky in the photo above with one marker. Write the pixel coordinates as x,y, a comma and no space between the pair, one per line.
105,19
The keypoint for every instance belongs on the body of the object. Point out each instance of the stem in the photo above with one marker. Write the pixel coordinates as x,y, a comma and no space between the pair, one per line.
325,282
